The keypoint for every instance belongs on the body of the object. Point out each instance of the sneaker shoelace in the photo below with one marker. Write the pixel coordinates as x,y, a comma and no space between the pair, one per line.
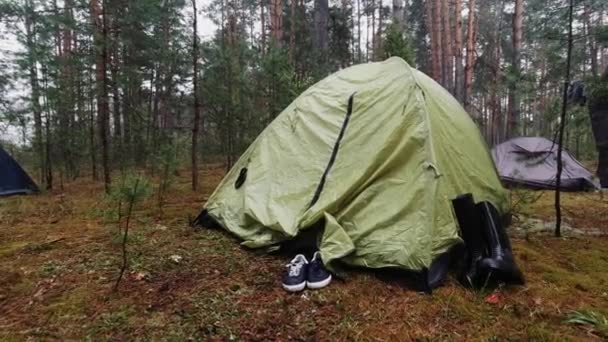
294,269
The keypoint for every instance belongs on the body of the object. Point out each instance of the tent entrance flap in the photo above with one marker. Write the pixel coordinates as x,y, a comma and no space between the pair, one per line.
334,152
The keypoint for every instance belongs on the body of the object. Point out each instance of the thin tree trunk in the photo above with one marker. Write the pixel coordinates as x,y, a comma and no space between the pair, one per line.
30,24
470,60
276,22
292,34
92,145
436,41
321,38
101,61
263,26
48,142
373,29
352,30
116,95
448,61
458,78
514,96
398,18
125,236
428,22
359,31
562,126
379,34
590,41
197,113
367,47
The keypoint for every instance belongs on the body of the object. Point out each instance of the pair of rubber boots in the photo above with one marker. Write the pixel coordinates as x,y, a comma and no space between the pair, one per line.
489,256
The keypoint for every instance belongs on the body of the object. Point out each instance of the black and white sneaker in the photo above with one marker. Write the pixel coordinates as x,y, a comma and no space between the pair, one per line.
318,276
294,276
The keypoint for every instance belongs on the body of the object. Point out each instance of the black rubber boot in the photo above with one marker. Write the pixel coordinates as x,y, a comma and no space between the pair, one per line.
471,231
500,264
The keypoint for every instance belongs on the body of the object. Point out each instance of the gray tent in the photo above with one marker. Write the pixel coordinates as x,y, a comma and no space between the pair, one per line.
532,162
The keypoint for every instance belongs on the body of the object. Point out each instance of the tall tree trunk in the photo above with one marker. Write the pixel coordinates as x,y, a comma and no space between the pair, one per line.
197,106
352,30
47,128
101,61
30,24
398,17
470,60
345,61
359,31
593,48
436,41
263,26
562,126
276,22
321,19
378,35
458,78
92,145
448,58
292,33
428,22
373,9
114,71
497,114
514,96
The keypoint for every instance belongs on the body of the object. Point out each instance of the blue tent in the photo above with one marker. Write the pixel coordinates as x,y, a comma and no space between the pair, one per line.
13,179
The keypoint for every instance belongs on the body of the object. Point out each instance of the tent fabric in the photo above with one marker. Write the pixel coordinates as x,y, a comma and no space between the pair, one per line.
532,162
375,152
13,179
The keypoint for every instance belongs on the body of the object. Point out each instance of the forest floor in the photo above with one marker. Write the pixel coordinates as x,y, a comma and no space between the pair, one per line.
59,259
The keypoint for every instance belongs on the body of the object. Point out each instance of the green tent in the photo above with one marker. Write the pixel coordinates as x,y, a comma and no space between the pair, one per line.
375,153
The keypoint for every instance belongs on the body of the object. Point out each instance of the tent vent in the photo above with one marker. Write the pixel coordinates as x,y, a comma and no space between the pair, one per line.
241,179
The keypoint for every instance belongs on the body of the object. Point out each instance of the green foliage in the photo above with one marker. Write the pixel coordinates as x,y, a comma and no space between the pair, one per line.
167,161
598,91
131,188
397,44
590,318
279,75
601,35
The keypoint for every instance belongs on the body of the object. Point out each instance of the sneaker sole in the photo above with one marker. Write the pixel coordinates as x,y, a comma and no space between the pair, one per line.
318,284
295,288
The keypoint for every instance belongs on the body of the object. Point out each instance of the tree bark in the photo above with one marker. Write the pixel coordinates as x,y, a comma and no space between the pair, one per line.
458,77
448,58
276,22
514,96
114,71
398,18
30,25
92,144
197,113
562,126
98,17
359,31
470,58
593,48
321,18
373,9
263,26
436,42
292,33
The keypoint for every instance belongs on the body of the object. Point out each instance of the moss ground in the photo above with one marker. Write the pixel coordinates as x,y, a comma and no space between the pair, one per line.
59,258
